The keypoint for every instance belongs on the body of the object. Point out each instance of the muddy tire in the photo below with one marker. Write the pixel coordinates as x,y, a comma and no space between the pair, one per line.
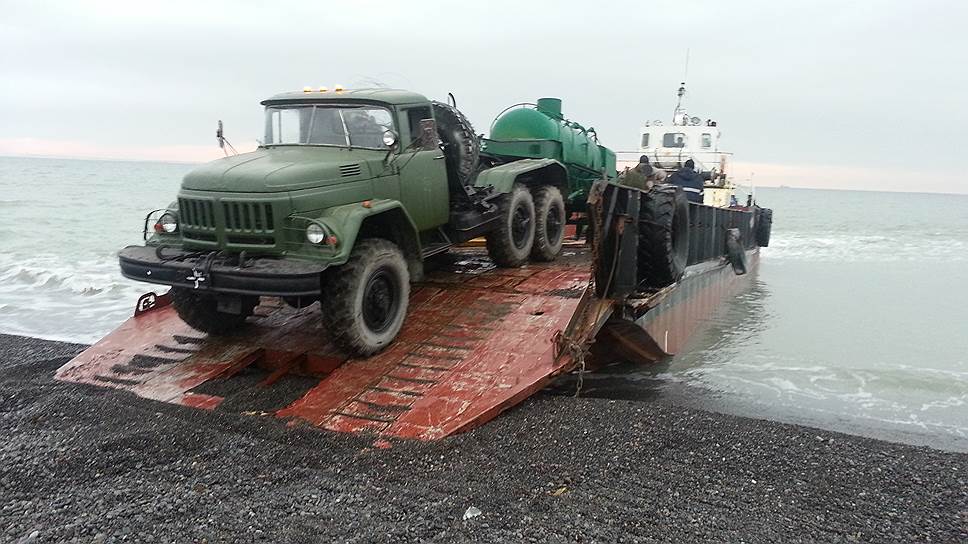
462,147
365,301
663,249
200,311
549,223
509,245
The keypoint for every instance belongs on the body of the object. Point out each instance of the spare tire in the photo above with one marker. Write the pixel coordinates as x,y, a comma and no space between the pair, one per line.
663,249
764,224
462,148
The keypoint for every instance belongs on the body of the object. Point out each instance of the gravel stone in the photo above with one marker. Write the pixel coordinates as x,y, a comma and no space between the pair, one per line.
90,464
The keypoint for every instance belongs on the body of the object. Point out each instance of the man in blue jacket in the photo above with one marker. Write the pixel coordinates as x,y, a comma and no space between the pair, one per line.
691,181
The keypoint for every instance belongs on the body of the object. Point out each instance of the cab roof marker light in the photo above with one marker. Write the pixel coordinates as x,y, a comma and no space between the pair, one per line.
323,89
307,89
338,88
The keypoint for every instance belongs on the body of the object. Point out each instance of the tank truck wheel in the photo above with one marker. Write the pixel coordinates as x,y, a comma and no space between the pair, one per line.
549,223
200,311
365,300
510,243
764,224
462,147
663,249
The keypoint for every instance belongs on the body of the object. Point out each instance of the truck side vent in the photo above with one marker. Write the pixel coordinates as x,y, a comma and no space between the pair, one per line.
348,170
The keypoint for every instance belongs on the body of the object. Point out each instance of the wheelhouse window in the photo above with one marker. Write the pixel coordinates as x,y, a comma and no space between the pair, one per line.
707,140
674,139
645,140
343,126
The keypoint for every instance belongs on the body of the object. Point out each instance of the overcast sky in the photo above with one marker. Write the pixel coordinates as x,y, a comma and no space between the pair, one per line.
827,94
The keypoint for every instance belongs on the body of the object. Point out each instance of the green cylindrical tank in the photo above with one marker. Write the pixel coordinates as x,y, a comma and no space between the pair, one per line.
543,132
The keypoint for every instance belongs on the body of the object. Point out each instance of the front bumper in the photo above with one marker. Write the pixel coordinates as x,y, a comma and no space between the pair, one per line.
257,276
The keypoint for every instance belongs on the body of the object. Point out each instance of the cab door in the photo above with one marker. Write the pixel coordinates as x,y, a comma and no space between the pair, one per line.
423,174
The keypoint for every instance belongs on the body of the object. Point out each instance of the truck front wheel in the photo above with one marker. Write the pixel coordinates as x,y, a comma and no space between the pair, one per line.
510,243
201,311
549,223
365,300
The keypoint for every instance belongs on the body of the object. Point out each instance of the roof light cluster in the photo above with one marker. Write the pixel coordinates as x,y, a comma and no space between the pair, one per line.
336,88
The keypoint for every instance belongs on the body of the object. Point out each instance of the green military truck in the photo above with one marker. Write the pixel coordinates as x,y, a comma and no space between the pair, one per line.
349,194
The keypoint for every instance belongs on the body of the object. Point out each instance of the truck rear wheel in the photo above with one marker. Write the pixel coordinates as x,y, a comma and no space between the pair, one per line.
365,301
549,223
200,311
510,243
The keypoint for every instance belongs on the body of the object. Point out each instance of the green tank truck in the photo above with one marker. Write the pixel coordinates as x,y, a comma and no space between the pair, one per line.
348,195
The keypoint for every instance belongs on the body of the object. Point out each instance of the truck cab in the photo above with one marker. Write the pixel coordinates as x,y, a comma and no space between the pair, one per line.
347,194
321,151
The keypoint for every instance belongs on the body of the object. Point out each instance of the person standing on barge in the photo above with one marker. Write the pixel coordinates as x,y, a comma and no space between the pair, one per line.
692,182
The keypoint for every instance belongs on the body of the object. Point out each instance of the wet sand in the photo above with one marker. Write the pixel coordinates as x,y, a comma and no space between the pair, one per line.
84,464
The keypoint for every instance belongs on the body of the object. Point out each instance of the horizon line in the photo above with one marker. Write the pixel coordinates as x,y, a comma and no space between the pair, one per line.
738,186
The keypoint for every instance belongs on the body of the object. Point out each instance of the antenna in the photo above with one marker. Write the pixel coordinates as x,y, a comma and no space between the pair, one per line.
685,73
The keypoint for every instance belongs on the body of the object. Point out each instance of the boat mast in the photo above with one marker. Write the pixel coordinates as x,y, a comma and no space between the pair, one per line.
679,114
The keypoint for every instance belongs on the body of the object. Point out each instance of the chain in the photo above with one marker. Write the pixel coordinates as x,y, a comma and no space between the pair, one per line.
578,351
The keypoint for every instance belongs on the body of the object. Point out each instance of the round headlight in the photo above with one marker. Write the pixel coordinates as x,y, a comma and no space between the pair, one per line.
315,233
389,138
167,223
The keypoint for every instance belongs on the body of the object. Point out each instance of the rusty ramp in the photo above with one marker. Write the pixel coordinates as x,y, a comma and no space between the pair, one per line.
477,341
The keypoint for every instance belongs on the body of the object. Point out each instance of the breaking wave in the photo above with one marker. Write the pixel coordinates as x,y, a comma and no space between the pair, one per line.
49,298
830,247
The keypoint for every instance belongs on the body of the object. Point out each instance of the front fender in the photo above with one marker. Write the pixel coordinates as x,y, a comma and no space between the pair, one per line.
346,222
503,177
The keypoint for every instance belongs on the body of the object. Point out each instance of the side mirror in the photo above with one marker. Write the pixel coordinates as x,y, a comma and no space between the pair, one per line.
391,139
428,135
220,135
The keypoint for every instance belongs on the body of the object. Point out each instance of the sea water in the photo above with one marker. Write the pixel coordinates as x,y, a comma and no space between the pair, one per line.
62,223
856,320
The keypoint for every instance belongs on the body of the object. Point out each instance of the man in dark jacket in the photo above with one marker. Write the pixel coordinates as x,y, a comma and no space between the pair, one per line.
690,181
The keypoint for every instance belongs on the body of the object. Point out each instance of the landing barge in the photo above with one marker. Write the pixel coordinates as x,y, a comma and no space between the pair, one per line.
483,322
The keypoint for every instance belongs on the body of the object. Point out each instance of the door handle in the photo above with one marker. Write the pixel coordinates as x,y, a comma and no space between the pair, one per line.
438,158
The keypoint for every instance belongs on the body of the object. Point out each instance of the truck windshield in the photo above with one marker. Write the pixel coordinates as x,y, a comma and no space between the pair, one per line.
344,126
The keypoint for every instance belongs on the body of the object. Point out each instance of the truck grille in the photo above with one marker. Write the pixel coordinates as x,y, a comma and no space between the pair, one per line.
248,217
196,214
235,222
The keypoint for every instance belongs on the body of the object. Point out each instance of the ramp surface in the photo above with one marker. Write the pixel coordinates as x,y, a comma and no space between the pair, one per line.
477,340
